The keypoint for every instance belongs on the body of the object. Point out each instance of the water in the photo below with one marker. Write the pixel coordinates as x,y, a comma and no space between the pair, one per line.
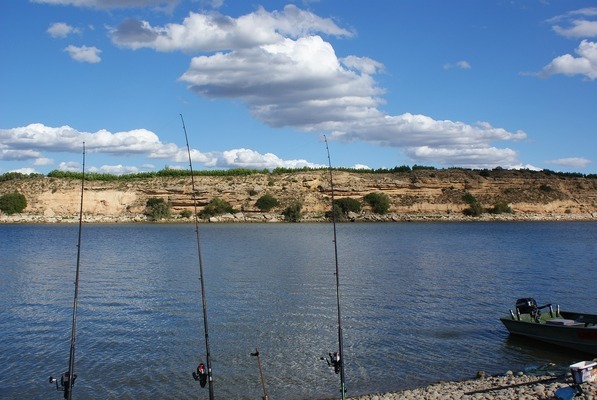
420,303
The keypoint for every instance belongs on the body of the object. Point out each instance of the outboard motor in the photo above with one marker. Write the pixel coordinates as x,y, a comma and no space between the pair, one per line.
527,306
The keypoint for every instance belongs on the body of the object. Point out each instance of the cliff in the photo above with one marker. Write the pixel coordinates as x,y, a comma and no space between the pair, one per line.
429,194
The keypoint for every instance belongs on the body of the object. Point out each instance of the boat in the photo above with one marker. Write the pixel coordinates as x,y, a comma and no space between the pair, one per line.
572,330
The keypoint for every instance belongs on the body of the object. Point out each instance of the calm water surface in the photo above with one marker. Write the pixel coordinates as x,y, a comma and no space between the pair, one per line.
420,303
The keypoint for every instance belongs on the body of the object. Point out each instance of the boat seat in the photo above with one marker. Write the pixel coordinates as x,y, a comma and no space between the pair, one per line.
561,322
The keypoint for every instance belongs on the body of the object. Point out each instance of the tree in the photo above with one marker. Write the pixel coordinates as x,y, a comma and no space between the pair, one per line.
216,206
292,213
12,203
157,208
379,202
266,202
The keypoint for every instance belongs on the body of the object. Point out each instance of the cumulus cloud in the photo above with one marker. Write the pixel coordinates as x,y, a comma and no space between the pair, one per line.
61,30
573,162
585,64
32,141
280,65
216,32
575,24
84,54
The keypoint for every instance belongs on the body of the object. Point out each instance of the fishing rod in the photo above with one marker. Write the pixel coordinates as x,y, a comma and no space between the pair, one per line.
201,374
336,359
67,381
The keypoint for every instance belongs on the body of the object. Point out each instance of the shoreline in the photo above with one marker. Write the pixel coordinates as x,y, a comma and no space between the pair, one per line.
504,387
307,218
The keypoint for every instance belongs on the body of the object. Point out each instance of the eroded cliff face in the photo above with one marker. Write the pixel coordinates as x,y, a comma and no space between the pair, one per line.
425,192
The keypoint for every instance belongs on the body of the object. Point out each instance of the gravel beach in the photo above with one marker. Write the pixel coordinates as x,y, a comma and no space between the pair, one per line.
507,387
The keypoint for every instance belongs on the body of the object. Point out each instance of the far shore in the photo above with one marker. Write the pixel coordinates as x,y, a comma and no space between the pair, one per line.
278,218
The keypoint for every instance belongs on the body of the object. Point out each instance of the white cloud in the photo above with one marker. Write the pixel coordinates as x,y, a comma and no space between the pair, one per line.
24,171
463,156
216,32
245,158
287,75
43,161
61,30
572,162
579,23
460,65
84,54
114,169
30,142
585,64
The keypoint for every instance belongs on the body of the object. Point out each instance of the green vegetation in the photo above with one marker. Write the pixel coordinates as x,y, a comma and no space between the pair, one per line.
292,213
14,176
216,206
12,203
348,204
266,202
168,172
379,202
475,208
157,208
186,213
342,207
500,207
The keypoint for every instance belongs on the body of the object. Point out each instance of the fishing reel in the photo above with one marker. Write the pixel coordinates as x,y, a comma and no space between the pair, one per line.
334,361
201,375
65,384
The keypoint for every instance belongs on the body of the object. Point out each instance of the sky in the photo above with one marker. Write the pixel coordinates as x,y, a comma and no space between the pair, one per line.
262,84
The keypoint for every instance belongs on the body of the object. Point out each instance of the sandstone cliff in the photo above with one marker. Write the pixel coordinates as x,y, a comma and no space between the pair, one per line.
421,193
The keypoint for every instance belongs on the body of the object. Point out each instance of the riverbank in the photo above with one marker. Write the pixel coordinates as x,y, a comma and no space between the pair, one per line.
507,387
242,217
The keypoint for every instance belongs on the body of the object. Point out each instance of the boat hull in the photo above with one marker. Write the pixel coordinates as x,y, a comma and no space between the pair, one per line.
578,336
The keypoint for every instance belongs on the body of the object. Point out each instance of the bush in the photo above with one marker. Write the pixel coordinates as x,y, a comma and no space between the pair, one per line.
379,202
215,207
501,207
348,204
292,213
12,203
266,202
186,213
157,208
475,209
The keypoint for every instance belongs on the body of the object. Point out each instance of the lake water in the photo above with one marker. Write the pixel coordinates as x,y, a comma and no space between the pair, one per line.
420,303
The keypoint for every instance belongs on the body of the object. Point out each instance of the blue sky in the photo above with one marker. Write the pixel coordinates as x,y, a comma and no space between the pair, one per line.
461,83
